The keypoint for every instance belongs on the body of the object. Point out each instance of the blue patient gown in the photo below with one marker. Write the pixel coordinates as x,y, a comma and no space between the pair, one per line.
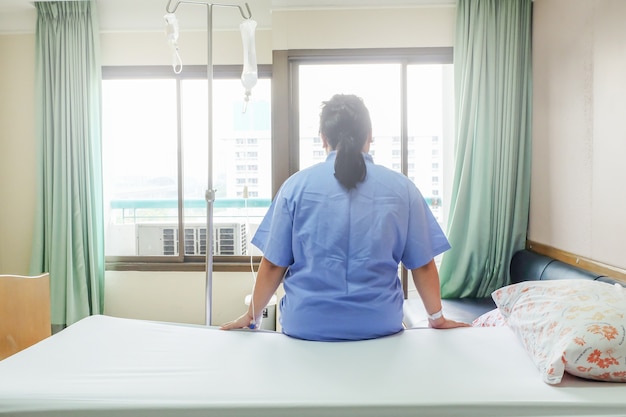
343,248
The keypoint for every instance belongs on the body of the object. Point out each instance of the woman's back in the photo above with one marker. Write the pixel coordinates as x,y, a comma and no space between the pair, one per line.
345,245
335,235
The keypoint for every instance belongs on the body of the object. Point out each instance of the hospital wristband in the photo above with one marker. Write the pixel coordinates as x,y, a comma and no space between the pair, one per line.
436,315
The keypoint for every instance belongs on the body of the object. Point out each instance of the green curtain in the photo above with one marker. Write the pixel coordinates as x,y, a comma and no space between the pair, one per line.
491,189
68,234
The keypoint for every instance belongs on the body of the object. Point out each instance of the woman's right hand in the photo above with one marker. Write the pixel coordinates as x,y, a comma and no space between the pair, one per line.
243,322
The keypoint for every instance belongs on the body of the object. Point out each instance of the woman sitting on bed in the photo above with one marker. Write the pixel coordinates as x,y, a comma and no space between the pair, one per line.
337,232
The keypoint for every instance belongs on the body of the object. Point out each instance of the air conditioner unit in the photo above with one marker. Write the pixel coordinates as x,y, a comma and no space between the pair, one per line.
229,239
162,239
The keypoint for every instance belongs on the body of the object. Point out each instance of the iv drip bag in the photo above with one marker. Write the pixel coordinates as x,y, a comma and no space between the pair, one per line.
171,32
171,28
249,75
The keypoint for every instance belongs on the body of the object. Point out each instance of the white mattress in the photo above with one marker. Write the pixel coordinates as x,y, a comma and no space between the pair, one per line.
104,366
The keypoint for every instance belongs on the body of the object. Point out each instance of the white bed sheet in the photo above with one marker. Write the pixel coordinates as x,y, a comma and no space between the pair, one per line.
105,366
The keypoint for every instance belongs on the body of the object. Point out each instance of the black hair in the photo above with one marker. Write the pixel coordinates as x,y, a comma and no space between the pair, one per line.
345,123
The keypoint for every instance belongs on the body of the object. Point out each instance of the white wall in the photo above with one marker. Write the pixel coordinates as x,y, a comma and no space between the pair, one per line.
579,135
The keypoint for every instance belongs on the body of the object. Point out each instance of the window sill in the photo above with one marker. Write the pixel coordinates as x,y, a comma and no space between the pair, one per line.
240,264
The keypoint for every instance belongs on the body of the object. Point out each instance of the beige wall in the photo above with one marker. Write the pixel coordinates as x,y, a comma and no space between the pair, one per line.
578,202
17,151
149,48
362,28
177,297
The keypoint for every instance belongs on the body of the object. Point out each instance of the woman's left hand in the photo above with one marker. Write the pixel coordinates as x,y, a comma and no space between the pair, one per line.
444,323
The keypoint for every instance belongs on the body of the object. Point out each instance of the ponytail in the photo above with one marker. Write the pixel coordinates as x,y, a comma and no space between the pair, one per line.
349,164
346,125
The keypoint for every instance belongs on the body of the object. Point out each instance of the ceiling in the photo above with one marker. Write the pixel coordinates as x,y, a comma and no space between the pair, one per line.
19,16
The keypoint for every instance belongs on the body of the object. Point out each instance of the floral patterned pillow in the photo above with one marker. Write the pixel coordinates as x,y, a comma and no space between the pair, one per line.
574,326
491,318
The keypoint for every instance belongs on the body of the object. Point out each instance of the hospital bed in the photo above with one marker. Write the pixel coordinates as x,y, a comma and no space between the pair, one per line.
106,366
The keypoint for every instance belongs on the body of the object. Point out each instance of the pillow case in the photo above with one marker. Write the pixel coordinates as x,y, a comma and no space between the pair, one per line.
571,325
491,318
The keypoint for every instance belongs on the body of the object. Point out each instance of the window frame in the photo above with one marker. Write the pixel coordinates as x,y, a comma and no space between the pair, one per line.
180,262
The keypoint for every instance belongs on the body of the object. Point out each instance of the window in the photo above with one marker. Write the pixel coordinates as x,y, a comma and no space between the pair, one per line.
409,93
155,158
409,103
155,148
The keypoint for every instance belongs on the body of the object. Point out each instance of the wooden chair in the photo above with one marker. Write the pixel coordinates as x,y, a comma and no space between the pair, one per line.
24,312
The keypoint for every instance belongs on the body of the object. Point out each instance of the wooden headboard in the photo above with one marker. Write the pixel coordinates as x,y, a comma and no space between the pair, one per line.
24,312
599,268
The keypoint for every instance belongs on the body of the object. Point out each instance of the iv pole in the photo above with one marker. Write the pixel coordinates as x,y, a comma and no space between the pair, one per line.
210,192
